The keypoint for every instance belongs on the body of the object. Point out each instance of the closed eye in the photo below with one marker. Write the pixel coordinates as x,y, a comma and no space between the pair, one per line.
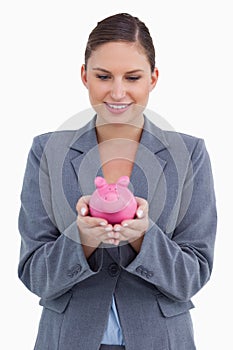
103,76
133,78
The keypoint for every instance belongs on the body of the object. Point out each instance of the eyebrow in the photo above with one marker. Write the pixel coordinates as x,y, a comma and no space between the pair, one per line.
106,71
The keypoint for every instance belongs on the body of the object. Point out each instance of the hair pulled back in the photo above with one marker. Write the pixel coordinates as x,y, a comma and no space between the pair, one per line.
121,27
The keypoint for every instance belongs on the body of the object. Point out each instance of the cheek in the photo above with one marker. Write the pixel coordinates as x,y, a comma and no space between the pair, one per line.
141,92
97,91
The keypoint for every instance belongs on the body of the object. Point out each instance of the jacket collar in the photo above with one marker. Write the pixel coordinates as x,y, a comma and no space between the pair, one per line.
153,138
148,164
85,138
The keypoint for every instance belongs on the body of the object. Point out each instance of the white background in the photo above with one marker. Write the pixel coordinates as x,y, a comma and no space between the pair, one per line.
42,49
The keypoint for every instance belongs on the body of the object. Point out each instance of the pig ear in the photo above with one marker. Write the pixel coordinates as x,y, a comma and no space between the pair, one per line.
100,182
123,181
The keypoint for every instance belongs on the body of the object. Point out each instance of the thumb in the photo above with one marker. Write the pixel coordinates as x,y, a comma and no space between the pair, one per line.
142,207
139,212
82,205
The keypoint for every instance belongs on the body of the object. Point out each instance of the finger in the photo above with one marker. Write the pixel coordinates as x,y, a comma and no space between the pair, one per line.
115,235
92,222
142,202
82,205
140,213
119,231
134,228
111,241
108,236
116,242
126,223
142,209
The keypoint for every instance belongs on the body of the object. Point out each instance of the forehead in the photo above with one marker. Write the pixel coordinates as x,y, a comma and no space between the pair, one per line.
126,55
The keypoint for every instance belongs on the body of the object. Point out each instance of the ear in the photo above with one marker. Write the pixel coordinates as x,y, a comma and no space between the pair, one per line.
154,78
84,75
100,182
123,181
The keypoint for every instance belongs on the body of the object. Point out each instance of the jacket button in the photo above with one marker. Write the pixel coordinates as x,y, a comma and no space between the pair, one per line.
140,269
75,271
113,270
144,272
149,274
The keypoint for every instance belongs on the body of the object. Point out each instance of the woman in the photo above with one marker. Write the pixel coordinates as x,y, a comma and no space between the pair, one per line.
128,285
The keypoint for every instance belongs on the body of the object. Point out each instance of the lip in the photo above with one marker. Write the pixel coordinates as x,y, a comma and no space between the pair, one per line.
117,108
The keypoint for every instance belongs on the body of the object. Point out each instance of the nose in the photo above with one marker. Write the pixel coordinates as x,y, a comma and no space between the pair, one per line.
117,90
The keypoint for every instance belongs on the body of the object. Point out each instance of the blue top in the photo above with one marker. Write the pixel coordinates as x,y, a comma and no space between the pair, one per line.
113,333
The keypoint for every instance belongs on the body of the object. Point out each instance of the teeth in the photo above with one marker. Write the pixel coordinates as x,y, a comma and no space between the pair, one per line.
118,106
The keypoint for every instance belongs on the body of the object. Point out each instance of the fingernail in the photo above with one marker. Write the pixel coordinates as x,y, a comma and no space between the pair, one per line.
110,235
139,213
108,229
117,228
102,223
125,224
83,211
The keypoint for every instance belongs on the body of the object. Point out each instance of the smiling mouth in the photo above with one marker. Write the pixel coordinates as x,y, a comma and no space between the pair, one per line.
120,107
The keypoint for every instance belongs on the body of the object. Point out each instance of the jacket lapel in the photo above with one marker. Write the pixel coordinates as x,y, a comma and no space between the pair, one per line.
148,166
147,169
87,163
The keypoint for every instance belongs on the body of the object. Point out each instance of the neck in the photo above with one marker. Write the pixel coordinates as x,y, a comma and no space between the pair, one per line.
119,130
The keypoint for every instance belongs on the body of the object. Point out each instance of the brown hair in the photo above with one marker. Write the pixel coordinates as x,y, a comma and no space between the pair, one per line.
121,27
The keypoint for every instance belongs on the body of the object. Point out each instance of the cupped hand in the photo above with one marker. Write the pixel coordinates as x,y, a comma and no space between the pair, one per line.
134,229
93,231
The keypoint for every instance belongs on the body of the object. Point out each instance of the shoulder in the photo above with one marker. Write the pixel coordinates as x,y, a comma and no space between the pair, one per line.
190,141
45,138
61,137
188,148
167,135
50,141
177,142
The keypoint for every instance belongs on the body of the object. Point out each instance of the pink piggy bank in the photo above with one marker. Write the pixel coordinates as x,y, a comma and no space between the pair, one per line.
113,202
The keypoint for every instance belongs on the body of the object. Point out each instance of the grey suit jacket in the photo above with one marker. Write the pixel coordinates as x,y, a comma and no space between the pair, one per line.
152,288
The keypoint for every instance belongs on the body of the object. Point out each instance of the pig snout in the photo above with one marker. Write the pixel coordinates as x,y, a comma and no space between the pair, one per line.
111,196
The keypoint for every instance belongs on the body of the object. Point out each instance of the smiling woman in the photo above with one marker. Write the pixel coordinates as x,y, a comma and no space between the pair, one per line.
127,285
121,83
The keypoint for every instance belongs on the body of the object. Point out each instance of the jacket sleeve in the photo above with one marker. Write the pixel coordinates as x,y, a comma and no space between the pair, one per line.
180,264
51,262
